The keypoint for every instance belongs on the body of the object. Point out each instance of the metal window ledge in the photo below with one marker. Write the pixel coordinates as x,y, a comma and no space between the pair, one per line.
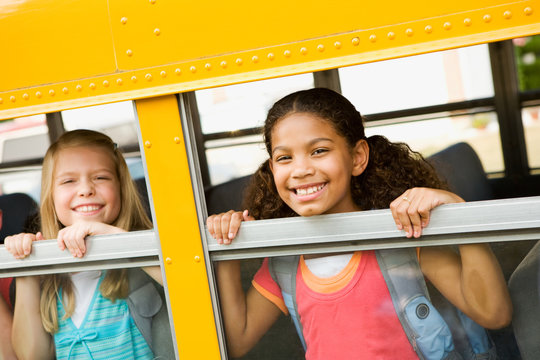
452,224
133,249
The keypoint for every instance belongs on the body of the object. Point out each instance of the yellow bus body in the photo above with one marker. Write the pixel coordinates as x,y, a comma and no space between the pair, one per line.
63,54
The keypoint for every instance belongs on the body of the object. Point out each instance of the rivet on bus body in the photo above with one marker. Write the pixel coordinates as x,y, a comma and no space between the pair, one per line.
355,41
372,38
528,10
147,144
92,86
320,47
12,98
208,66
105,83
119,82
193,69
38,94
428,29
223,64
78,87
1,101
409,32
129,52
507,14
239,61
157,31
178,72
177,140
134,78
337,45
270,56
168,261
51,92
467,22
65,90
123,20
487,18
25,96
163,74
391,35
287,53
148,77
303,51
152,1
197,258
447,26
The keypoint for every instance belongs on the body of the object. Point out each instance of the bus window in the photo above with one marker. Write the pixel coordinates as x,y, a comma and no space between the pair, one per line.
527,52
232,109
116,120
24,138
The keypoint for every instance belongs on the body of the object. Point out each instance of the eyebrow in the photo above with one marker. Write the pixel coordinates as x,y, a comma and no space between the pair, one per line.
310,143
70,173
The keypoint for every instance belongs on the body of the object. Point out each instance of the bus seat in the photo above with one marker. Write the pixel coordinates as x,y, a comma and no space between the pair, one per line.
524,288
461,168
18,210
226,196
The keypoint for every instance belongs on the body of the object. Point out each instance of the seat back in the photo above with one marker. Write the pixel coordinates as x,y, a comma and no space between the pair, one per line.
18,212
461,168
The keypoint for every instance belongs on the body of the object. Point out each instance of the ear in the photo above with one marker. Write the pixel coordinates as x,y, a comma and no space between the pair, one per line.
360,156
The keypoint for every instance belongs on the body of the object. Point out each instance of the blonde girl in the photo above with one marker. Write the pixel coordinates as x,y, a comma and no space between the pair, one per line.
86,190
321,162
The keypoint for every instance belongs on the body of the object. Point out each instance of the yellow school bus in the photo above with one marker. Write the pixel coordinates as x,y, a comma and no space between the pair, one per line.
177,63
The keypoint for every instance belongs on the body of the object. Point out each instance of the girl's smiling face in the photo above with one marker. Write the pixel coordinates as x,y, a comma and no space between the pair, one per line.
312,165
85,186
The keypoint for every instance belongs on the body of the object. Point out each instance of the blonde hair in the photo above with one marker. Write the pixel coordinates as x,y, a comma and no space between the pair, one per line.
132,216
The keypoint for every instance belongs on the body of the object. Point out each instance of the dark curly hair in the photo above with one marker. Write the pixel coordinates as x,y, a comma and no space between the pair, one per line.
392,167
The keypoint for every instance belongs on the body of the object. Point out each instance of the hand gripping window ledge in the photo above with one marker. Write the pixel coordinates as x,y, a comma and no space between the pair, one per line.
453,224
132,249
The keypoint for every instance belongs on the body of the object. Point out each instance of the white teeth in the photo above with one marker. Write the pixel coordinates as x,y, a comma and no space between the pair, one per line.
87,208
309,190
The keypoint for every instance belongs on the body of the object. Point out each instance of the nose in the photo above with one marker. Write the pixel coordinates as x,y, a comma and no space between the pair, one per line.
86,188
302,168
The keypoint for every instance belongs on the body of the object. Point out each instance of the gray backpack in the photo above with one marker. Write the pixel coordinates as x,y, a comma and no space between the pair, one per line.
427,331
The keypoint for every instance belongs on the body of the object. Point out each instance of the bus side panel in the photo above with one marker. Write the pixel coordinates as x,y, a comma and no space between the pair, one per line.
177,228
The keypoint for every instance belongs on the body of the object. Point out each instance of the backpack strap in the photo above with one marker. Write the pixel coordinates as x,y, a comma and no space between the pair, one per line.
426,329
146,305
283,270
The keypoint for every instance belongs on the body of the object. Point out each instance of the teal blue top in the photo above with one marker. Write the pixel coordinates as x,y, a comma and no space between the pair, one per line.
107,332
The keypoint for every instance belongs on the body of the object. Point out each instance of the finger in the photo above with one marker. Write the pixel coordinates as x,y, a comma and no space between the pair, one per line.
246,216
60,240
210,225
28,239
234,225
226,220
217,229
39,236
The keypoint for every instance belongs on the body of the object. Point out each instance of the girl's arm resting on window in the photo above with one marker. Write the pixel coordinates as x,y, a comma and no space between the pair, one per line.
246,317
29,338
472,280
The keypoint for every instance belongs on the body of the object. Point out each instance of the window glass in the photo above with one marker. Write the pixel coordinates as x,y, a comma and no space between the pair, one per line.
531,126
230,161
528,62
244,106
116,120
23,138
481,131
417,81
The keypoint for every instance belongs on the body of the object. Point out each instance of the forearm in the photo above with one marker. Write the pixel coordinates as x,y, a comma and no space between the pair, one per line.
483,286
233,305
6,324
29,338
